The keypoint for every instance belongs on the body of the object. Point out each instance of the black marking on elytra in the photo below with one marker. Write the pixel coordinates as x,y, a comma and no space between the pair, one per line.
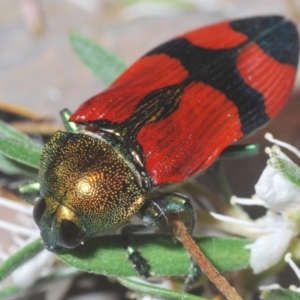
154,107
217,68
275,35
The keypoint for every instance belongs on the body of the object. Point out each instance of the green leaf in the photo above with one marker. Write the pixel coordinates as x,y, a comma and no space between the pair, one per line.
105,64
20,151
280,294
11,167
288,169
20,257
19,147
8,291
158,293
105,255
10,132
7,166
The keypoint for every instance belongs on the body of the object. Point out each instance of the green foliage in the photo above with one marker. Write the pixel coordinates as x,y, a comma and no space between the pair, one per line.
158,293
11,167
105,255
280,294
20,257
18,147
165,256
106,65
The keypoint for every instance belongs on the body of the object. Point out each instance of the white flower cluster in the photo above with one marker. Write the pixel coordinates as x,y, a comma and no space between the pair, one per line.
278,189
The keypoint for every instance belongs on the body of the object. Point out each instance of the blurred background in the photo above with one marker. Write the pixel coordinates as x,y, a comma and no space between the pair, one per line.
40,71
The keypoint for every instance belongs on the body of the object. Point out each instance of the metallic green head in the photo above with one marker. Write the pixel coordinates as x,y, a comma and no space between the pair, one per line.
86,187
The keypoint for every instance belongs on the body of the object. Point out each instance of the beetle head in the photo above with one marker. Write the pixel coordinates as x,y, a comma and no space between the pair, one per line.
86,187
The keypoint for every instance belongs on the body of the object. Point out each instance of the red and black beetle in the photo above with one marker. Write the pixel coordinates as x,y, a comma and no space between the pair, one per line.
165,119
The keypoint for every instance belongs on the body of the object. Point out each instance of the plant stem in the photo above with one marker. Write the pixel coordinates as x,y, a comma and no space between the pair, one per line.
206,266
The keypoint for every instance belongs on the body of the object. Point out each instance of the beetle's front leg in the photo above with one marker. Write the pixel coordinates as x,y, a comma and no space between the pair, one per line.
30,191
153,212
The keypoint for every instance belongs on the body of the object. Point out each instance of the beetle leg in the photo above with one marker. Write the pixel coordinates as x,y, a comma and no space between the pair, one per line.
194,274
176,203
156,209
236,151
153,212
70,126
30,191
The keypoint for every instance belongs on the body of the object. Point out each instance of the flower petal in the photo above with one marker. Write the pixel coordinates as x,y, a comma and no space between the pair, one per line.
267,250
278,193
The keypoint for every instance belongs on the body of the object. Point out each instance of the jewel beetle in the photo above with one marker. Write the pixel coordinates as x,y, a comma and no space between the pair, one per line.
164,120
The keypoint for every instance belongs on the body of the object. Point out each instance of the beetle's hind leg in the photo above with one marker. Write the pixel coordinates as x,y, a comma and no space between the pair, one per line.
153,212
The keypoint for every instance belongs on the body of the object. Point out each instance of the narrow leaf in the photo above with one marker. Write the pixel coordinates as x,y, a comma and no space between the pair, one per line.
105,255
18,146
7,166
22,151
12,167
10,132
280,294
158,293
9,291
19,258
105,64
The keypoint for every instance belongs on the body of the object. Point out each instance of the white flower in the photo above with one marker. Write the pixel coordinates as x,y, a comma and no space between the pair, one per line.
281,223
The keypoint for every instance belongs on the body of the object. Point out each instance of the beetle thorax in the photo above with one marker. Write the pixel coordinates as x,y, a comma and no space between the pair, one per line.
86,175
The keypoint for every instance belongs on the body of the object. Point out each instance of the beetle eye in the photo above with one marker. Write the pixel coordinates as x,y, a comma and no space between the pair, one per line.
70,235
39,208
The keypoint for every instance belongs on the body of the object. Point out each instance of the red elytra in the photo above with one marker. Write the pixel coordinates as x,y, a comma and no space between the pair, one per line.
185,101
